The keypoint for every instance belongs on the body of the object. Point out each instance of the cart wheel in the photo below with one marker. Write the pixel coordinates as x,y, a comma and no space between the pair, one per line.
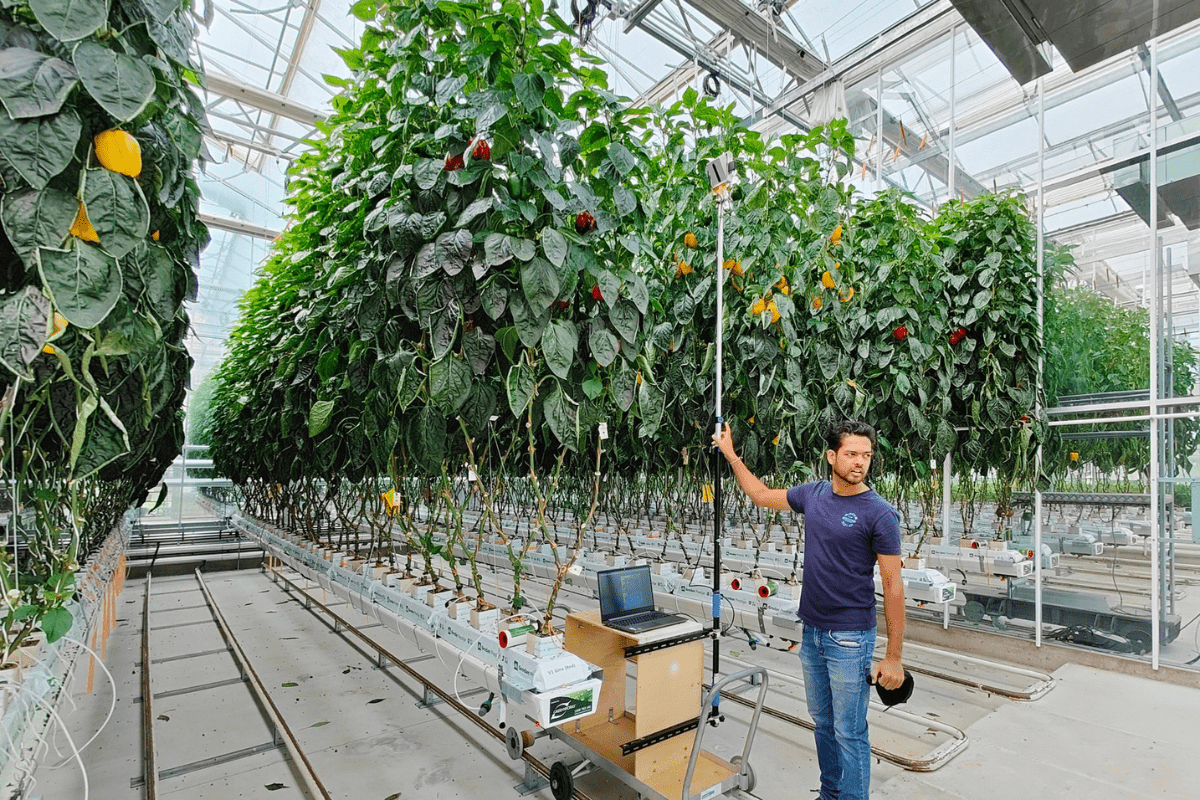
514,743
562,785
748,778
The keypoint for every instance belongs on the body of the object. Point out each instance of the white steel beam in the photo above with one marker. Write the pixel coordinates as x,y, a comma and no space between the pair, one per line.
769,39
254,97
238,226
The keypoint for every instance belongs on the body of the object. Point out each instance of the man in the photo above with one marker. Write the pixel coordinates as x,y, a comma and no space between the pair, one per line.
848,527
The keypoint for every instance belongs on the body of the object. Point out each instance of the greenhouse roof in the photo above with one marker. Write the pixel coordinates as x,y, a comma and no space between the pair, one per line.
901,70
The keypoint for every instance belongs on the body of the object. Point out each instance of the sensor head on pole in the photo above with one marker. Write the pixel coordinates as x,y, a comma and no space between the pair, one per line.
721,170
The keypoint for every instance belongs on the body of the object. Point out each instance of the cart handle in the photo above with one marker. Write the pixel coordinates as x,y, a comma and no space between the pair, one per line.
707,701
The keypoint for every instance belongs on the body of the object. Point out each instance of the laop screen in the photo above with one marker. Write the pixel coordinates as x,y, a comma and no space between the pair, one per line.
623,591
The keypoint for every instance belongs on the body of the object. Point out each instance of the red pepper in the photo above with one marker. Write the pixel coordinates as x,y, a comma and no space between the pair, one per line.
584,222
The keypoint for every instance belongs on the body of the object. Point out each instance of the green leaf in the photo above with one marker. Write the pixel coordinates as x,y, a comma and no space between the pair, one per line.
453,250
163,9
55,623
427,171
174,35
636,290
602,344
625,319
480,206
99,439
426,262
827,359
651,402
520,386
523,249
68,20
621,158
920,423
562,415
478,347
319,417
497,249
529,90
117,210
121,84
568,150
449,384
158,275
593,388
946,439
24,316
625,199
84,282
624,384
554,245
445,330
447,88
508,339
428,439
489,116
479,408
35,219
610,288
494,299
408,387
540,283
365,10
328,365
559,343
40,148
33,84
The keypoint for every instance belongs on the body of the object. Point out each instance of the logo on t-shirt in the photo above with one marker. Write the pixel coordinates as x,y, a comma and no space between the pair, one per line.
849,519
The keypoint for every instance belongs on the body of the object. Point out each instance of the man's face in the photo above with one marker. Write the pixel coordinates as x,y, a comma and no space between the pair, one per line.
851,461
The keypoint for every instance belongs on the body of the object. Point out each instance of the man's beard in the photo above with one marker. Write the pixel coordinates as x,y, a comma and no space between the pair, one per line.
848,478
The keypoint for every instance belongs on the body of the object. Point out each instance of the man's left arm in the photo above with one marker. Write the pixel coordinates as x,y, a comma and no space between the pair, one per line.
890,671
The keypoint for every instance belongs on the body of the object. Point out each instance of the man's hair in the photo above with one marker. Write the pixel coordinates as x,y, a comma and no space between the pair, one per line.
847,427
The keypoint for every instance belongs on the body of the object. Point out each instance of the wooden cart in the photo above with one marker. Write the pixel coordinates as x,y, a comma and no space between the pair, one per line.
648,744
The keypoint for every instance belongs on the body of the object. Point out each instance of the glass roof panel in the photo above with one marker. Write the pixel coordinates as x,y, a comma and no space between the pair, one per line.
844,25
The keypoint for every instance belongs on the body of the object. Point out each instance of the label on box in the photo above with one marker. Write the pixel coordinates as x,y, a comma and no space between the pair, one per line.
572,705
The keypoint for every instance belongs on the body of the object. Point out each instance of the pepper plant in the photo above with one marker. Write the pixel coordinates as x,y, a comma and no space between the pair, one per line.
490,254
99,137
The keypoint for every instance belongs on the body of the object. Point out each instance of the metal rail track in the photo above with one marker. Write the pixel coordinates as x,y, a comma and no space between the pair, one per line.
149,756
428,685
308,774
281,733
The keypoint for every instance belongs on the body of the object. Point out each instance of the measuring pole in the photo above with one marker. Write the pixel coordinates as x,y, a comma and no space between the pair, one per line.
720,192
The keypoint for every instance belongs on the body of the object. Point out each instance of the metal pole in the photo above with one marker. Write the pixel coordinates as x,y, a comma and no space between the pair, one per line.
718,500
953,92
1152,266
947,500
1041,292
1168,369
879,131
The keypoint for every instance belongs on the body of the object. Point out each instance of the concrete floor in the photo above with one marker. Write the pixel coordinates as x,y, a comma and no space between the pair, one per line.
1097,735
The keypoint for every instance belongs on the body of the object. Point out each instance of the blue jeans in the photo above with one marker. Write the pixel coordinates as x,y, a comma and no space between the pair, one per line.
836,666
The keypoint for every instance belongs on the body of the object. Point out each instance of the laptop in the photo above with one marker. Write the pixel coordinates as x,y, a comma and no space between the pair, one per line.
627,601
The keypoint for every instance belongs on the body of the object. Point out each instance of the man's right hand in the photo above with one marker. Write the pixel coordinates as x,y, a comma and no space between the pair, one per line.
724,442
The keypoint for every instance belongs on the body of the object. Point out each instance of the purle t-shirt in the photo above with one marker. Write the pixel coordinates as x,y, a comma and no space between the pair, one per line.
842,536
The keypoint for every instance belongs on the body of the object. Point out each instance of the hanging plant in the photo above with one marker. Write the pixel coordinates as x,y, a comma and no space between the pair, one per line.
99,137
